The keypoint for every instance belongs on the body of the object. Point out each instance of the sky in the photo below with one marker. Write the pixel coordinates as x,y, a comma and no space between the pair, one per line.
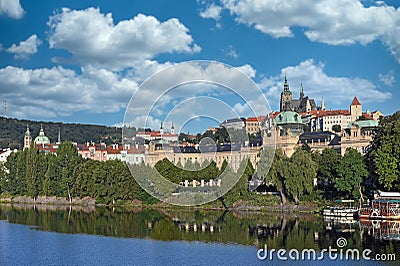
83,61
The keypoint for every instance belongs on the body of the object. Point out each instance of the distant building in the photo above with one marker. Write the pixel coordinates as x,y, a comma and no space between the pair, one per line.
320,120
27,138
157,135
254,124
326,120
42,138
284,132
5,153
234,123
303,104
358,135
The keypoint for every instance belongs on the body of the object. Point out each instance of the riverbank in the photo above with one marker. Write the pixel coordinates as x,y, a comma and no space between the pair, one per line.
241,206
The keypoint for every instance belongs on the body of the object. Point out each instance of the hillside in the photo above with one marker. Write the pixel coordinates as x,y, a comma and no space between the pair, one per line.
12,132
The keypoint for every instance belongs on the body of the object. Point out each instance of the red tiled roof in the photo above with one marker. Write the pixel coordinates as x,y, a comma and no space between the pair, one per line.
252,119
274,114
52,148
355,101
367,116
321,113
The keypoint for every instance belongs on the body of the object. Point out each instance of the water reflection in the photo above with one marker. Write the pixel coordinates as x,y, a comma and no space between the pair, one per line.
253,229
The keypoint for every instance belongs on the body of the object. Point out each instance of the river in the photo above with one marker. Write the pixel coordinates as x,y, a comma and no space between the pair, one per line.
60,235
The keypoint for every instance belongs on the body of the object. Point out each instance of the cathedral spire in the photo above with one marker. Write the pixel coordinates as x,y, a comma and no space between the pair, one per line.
301,91
286,85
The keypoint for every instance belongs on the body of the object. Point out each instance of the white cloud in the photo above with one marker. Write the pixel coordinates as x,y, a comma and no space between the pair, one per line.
49,93
11,8
231,52
93,38
340,22
387,79
212,11
25,48
337,91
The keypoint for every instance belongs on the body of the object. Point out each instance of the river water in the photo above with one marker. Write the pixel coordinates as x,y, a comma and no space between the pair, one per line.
49,235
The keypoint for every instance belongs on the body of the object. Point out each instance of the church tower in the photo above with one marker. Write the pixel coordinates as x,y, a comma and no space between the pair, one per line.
355,109
161,129
27,138
172,128
323,108
286,96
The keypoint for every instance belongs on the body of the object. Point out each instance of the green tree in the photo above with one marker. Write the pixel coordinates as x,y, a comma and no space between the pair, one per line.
384,155
351,172
240,190
67,159
270,168
31,171
299,173
327,169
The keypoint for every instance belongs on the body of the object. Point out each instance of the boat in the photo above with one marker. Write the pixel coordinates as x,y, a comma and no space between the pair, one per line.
385,206
341,211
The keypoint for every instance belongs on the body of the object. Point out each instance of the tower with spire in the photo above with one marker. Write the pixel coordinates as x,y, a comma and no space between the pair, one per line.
355,109
172,128
300,105
301,91
286,96
27,138
161,129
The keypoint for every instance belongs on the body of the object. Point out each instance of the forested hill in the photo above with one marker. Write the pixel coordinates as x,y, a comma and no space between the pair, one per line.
12,132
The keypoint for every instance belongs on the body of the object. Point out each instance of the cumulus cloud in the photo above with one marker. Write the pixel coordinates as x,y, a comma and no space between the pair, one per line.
93,38
58,91
11,8
387,79
53,92
212,11
339,22
25,48
317,84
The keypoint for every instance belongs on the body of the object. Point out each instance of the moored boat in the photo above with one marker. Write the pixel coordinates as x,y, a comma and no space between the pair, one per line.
385,206
341,211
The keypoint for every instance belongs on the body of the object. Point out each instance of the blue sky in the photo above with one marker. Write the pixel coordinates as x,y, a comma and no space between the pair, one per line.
81,61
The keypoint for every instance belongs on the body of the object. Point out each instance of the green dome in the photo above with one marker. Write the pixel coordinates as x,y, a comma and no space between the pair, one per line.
42,139
288,117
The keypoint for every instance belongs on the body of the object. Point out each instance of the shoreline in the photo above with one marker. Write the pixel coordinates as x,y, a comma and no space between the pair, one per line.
306,207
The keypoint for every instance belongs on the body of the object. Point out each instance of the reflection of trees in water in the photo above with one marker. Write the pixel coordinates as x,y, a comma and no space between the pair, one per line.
275,230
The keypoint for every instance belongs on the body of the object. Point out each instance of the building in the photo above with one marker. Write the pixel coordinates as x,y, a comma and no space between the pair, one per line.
234,123
318,141
253,124
337,120
4,153
326,120
358,135
97,152
157,135
284,132
232,153
303,104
